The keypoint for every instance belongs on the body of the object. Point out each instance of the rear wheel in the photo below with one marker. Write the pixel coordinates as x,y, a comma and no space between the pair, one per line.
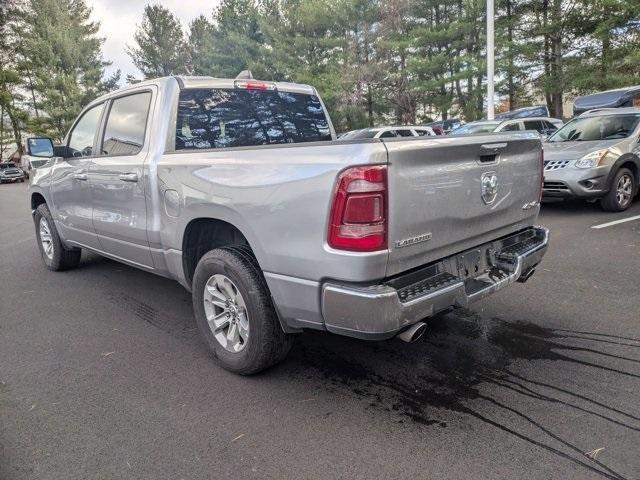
54,254
621,192
234,312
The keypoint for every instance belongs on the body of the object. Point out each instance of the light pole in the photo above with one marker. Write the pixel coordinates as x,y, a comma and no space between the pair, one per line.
490,60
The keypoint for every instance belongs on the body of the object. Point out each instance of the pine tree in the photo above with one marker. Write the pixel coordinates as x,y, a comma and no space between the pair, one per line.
160,48
610,42
201,46
230,42
62,49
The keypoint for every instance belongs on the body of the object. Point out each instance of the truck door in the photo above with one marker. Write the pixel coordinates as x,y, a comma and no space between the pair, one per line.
117,183
70,192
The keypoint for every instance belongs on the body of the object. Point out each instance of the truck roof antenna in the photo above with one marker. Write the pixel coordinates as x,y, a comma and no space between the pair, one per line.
245,75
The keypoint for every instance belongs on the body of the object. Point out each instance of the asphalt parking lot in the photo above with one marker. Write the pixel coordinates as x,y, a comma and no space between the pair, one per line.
103,375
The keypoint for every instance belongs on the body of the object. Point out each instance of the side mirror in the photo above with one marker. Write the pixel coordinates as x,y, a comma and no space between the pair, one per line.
40,147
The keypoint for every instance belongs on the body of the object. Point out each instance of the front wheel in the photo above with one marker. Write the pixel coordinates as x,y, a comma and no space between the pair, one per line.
54,254
234,312
621,192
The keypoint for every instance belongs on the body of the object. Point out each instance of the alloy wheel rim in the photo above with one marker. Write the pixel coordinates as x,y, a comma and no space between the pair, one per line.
624,189
226,313
45,238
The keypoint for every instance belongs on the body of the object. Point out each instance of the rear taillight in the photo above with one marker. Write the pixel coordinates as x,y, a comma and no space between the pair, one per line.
541,174
358,219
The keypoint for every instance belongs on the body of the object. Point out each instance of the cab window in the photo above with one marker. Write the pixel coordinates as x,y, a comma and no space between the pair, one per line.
536,125
126,125
220,118
82,137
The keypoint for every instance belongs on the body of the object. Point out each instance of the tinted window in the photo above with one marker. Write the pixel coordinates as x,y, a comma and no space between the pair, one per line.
405,133
389,134
83,134
126,124
217,118
534,125
422,133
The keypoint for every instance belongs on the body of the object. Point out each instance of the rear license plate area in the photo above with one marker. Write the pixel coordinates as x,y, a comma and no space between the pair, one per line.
473,263
469,264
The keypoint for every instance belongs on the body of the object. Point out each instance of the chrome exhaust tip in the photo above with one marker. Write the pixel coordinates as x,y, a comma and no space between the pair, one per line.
527,275
413,333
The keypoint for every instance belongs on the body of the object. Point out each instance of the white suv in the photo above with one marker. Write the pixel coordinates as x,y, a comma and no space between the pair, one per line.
543,125
389,132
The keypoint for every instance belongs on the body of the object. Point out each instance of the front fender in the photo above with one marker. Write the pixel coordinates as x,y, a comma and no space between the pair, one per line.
40,183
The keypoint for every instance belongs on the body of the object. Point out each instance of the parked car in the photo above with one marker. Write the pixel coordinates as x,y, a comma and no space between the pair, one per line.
437,130
524,112
543,125
618,98
442,127
388,132
238,190
595,156
10,173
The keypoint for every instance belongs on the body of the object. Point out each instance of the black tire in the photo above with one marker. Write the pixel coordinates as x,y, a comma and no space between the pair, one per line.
267,343
22,180
62,258
611,202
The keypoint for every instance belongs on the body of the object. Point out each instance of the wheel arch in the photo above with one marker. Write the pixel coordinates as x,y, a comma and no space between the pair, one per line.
37,199
629,161
633,164
203,234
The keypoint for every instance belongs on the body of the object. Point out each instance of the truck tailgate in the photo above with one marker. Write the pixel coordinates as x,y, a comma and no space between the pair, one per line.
450,194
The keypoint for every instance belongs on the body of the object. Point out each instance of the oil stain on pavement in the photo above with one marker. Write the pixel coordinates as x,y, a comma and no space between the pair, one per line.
470,365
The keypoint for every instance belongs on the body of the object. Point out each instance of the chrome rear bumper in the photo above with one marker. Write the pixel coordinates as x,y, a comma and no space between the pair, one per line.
382,310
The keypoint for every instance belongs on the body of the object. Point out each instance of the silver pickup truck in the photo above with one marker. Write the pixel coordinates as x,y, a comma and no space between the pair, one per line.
239,190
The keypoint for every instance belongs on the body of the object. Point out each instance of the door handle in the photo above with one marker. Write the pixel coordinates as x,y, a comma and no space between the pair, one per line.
80,176
128,177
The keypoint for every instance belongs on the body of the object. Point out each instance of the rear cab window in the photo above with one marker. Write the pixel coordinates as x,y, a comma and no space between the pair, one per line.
126,124
210,118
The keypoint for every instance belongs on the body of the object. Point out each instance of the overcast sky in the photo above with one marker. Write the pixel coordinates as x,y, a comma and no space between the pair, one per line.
118,20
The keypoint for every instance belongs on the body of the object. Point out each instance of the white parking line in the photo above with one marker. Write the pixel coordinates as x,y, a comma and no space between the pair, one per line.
616,222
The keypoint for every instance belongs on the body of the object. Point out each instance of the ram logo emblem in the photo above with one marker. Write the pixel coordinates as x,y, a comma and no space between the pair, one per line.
489,187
